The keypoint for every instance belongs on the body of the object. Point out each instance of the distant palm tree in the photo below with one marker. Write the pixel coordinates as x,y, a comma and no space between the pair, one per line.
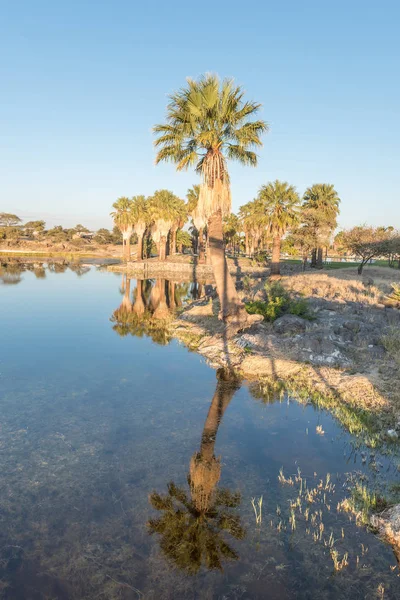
321,209
253,222
199,222
165,209
281,205
232,229
123,219
181,216
207,123
140,220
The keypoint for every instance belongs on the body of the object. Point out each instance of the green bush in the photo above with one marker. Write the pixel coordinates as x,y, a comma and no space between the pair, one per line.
279,303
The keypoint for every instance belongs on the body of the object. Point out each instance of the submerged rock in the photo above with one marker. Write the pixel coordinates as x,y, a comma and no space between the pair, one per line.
388,525
289,324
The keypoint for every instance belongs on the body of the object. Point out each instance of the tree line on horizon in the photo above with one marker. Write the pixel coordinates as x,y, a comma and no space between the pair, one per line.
208,123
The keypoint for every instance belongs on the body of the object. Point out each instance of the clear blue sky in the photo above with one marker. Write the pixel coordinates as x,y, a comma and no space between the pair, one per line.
82,84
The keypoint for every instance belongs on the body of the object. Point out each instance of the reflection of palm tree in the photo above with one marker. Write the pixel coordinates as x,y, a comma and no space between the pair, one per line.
162,311
138,306
191,528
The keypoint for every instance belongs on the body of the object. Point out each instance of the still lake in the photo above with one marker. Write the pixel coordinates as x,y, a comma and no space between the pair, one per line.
131,469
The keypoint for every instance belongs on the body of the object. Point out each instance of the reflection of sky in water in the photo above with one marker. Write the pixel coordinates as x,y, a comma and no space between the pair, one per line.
92,422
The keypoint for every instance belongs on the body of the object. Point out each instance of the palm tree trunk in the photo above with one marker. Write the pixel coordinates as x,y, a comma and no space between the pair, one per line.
314,258
320,258
139,253
231,306
172,241
128,247
162,248
207,249
200,246
227,385
276,255
138,306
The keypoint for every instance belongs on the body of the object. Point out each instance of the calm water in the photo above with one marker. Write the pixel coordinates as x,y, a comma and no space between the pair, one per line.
128,466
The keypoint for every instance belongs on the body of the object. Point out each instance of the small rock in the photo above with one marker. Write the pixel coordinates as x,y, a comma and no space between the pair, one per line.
352,326
368,281
289,324
392,433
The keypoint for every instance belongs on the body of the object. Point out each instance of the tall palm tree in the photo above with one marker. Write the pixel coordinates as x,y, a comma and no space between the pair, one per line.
208,122
164,210
123,219
281,205
191,527
321,209
140,219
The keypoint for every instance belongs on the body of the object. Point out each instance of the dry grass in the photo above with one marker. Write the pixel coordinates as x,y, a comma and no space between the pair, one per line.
345,284
338,286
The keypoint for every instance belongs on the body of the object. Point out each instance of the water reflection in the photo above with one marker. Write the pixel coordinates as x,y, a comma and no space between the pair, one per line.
192,524
11,268
148,310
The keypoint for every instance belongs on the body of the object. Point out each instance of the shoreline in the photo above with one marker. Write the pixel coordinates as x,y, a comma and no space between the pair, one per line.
337,360
353,398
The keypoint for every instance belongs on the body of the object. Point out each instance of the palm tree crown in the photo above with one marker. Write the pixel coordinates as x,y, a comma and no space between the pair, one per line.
323,198
281,205
208,122
140,210
122,214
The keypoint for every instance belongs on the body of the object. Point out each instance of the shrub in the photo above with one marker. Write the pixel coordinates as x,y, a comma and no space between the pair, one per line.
279,302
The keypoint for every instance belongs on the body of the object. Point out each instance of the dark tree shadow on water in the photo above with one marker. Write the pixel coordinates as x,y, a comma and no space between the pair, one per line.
193,522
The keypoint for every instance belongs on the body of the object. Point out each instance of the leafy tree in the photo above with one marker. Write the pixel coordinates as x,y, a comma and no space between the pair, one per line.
103,236
57,234
9,220
281,204
320,212
207,123
123,219
366,242
35,228
81,229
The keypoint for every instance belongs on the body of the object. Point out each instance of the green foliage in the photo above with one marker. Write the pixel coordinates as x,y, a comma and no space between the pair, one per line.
10,233
165,206
104,236
363,503
208,116
281,205
183,239
57,234
190,538
395,293
279,302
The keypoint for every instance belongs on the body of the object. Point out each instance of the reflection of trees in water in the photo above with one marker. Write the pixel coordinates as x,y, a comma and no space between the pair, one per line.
268,391
79,269
11,267
150,309
192,525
